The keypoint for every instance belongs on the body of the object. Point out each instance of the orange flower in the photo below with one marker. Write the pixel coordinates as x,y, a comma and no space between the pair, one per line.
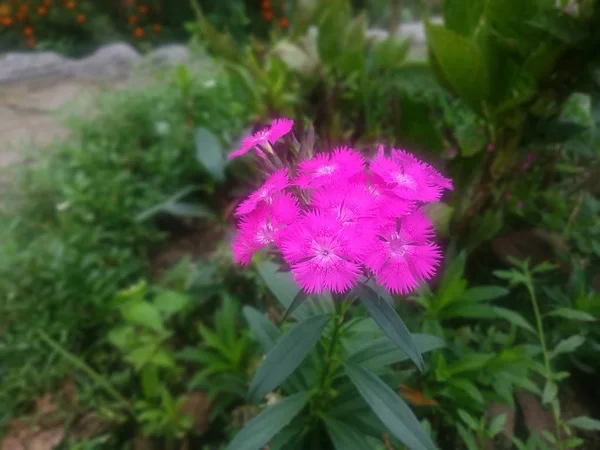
28,31
268,16
20,16
132,20
42,10
156,28
265,4
6,21
284,22
5,9
71,4
81,18
143,9
31,42
47,2
139,32
24,8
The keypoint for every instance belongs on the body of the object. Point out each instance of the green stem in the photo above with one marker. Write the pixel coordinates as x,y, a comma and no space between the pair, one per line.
542,338
77,362
340,312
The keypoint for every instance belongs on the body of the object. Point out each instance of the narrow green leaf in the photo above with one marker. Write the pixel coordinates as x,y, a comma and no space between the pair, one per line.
469,363
463,16
514,318
390,322
298,300
585,423
468,419
143,314
182,209
483,293
268,423
562,26
572,314
462,64
287,355
209,153
468,387
345,437
171,302
497,424
390,408
469,311
568,345
380,353
263,329
550,392
283,287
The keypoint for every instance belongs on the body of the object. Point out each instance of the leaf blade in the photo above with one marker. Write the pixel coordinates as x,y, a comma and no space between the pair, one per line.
287,355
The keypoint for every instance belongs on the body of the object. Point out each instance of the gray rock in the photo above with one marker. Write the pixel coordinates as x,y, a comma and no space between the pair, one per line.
167,56
108,62
16,66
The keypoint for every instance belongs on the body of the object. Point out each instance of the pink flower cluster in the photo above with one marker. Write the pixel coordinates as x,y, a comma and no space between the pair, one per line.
338,219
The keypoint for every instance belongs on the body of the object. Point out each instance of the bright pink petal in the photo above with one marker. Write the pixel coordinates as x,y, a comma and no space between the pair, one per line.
279,128
325,168
275,184
323,254
349,202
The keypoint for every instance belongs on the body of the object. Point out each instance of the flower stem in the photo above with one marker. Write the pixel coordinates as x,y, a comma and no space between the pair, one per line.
542,339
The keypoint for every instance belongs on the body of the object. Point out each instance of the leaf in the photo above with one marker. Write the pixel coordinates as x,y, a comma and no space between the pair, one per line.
585,423
463,16
260,430
382,352
390,408
469,388
298,300
334,22
469,311
143,314
264,330
468,419
550,392
469,363
462,64
558,24
345,437
283,287
209,153
287,355
572,314
171,302
471,138
390,322
568,345
483,293
514,318
182,209
497,424
295,57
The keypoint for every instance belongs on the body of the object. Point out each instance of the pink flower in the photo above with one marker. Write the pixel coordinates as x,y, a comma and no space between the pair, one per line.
323,254
433,176
270,135
323,168
348,202
388,204
402,257
275,184
407,178
263,226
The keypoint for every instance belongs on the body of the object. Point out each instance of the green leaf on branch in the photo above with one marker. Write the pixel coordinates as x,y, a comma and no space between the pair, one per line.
463,16
514,318
568,345
380,353
462,64
389,408
143,314
209,153
268,423
585,423
287,355
572,314
263,329
390,322
345,437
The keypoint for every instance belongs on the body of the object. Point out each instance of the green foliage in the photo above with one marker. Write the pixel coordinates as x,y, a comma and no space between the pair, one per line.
70,239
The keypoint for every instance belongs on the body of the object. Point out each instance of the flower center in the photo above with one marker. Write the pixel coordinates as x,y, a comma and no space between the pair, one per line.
404,180
327,169
397,245
264,235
